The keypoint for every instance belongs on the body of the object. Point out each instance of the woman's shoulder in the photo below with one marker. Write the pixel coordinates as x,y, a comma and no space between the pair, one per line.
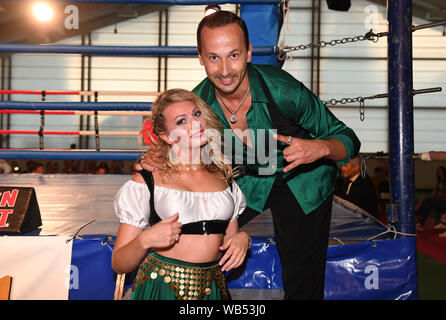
143,176
137,177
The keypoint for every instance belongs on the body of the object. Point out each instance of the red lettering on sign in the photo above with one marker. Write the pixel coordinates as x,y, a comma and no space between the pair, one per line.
9,198
4,213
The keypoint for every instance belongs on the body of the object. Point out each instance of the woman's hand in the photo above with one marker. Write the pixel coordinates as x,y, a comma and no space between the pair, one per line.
163,234
236,248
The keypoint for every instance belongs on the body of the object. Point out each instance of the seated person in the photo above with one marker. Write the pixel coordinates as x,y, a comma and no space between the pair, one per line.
436,201
357,189
197,205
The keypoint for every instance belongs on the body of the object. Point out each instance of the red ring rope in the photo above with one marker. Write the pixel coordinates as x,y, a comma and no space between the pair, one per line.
84,133
80,113
37,112
39,92
37,132
81,93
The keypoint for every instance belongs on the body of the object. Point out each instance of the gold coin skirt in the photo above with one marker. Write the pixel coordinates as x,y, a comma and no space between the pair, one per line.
161,278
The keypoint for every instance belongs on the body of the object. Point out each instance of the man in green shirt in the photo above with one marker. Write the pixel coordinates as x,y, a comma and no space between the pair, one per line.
300,179
295,179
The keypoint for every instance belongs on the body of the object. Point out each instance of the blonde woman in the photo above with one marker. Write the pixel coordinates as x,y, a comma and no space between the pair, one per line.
186,213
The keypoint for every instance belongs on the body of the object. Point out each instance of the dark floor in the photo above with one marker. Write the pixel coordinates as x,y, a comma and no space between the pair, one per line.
431,278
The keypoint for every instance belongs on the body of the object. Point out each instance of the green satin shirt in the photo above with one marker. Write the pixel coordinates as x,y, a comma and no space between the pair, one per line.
309,186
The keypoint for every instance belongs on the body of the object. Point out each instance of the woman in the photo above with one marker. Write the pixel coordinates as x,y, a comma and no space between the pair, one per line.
197,206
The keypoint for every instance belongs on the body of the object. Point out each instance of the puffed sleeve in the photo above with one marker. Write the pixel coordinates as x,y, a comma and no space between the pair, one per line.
132,204
239,201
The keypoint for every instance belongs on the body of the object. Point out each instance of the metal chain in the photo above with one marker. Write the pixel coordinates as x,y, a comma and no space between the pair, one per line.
363,165
371,36
333,102
361,110
361,100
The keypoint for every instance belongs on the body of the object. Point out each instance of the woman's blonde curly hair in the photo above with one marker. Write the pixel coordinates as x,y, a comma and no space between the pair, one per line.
215,159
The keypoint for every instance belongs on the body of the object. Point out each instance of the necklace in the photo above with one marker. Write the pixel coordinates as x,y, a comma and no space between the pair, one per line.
233,118
191,166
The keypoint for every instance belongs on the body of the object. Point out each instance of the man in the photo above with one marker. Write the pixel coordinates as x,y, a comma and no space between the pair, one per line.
358,189
299,190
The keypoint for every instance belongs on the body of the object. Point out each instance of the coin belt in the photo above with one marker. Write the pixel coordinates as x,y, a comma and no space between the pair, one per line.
187,282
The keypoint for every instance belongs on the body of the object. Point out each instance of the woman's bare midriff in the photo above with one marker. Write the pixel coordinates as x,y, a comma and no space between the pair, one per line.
194,248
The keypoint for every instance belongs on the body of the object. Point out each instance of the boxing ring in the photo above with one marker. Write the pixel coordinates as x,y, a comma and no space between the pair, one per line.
366,259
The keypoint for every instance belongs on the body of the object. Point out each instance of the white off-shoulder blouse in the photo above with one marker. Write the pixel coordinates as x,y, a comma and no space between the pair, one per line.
132,204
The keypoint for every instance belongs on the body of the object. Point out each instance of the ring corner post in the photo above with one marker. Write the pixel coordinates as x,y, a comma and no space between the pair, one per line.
401,124
263,24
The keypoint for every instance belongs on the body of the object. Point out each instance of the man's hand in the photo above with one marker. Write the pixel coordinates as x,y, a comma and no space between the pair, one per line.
151,161
236,248
303,151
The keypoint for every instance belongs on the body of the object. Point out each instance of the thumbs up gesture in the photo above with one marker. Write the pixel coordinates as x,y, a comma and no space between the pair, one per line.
164,233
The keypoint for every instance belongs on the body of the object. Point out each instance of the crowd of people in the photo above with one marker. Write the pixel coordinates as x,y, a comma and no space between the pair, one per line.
434,205
67,167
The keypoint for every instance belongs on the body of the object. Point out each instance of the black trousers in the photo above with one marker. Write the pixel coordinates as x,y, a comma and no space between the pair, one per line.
302,242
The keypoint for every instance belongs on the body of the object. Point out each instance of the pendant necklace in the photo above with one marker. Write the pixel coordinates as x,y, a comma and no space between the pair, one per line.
233,118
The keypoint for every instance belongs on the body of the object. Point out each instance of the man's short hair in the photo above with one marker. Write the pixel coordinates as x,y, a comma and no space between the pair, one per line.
355,161
221,19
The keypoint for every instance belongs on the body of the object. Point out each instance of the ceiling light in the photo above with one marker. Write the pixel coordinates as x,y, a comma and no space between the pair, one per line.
43,12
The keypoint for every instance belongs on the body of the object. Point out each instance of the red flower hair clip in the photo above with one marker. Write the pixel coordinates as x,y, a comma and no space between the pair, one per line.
149,137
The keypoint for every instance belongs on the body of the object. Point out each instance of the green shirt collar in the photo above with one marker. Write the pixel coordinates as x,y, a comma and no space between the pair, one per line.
257,93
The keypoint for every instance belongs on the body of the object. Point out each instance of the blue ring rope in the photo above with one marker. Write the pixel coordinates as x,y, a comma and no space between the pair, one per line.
84,106
69,155
73,155
175,2
115,50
